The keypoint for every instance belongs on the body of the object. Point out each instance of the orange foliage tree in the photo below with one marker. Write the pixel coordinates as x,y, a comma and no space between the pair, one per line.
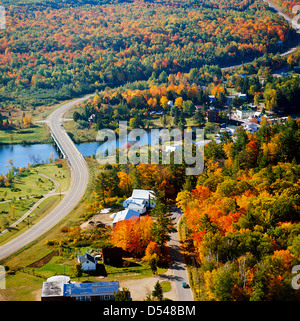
133,235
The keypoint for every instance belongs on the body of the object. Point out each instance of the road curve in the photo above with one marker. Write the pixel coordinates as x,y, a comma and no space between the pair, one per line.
79,180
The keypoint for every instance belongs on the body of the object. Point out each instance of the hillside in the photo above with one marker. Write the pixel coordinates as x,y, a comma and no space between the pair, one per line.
54,50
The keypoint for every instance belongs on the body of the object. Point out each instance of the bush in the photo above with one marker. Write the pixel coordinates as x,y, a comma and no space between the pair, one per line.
51,242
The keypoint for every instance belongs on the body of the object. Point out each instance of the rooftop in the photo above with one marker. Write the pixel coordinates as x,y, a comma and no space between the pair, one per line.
142,193
52,289
125,215
86,257
90,289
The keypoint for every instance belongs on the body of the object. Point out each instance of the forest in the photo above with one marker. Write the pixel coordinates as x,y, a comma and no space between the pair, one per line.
52,50
242,218
137,102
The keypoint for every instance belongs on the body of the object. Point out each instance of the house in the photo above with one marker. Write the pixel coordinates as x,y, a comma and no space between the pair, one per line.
242,96
124,215
97,291
88,262
251,127
212,98
138,205
243,114
140,194
92,118
170,103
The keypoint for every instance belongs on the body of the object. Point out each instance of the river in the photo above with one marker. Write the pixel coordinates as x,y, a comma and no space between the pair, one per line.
40,153
36,154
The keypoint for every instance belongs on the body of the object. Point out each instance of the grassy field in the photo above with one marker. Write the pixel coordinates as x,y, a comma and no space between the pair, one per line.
43,209
34,135
80,135
22,194
30,183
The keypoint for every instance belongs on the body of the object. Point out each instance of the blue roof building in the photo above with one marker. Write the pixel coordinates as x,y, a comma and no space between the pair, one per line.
57,290
91,291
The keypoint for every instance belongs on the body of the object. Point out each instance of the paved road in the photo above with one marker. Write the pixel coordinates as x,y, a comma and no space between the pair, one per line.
179,268
79,181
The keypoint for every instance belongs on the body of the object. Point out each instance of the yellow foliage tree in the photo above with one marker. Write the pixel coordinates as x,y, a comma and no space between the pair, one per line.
164,102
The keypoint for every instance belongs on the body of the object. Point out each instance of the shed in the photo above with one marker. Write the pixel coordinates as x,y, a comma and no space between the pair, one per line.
113,256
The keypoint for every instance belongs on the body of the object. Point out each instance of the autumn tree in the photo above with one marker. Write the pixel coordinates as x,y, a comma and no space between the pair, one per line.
164,102
27,121
133,235
178,102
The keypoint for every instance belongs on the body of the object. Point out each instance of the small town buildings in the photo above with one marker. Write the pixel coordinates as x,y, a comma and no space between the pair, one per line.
88,262
251,127
243,113
124,215
58,290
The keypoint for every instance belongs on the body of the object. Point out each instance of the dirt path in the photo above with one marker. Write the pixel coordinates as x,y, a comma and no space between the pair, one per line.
139,288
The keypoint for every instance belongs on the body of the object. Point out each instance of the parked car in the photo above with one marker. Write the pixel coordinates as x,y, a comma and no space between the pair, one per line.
185,285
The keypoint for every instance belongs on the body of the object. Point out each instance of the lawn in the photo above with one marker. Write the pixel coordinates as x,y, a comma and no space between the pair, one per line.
62,174
43,209
130,270
22,286
11,211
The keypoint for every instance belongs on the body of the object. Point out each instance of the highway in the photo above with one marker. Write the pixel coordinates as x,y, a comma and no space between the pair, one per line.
78,184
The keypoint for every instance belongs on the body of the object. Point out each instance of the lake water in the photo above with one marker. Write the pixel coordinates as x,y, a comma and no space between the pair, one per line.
37,153
40,153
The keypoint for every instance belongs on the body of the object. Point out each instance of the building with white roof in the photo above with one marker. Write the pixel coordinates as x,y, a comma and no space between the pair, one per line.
124,215
142,197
